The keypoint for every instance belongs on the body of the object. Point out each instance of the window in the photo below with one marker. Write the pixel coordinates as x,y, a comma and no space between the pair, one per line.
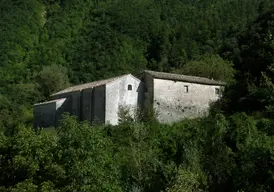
186,89
217,91
129,87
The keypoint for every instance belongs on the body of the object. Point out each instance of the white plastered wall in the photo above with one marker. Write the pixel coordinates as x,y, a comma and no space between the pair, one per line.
118,95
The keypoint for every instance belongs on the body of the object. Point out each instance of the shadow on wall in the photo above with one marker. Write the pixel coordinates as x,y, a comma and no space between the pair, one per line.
55,113
65,108
141,95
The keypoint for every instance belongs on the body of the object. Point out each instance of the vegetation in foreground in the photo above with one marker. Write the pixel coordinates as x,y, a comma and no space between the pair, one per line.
216,153
47,45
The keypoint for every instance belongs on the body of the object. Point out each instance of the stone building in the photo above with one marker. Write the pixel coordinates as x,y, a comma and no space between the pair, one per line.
173,97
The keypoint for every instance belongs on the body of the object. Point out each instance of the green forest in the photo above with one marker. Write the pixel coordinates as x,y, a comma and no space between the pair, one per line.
47,45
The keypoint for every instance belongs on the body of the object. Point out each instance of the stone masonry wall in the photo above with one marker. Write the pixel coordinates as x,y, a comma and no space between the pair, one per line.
174,101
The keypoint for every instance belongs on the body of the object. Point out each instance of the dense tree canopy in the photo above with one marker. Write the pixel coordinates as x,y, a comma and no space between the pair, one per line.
216,153
252,53
47,45
210,66
99,39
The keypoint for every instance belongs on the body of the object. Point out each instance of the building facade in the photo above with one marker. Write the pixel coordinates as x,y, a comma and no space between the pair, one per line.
172,96
175,97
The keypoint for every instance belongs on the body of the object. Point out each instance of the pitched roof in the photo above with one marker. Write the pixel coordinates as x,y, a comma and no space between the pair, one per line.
87,85
186,78
48,102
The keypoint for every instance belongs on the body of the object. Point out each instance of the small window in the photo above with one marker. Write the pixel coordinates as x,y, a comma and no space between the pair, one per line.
217,91
129,87
186,89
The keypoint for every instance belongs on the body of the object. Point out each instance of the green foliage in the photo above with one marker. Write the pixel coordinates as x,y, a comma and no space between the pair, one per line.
252,53
77,158
210,66
125,115
43,42
51,79
216,153
27,160
47,44
86,157
189,179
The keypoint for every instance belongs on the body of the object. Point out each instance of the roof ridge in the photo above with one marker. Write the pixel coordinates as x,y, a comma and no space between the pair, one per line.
92,84
182,77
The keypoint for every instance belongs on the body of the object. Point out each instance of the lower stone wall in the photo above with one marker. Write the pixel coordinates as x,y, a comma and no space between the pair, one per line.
174,100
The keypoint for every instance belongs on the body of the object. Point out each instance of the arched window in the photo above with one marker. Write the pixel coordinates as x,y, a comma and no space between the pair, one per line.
129,87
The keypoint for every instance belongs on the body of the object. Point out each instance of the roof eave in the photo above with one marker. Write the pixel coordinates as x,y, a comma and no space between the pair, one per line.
209,81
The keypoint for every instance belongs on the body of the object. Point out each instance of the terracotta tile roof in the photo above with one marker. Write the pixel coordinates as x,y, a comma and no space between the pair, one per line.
186,78
87,85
